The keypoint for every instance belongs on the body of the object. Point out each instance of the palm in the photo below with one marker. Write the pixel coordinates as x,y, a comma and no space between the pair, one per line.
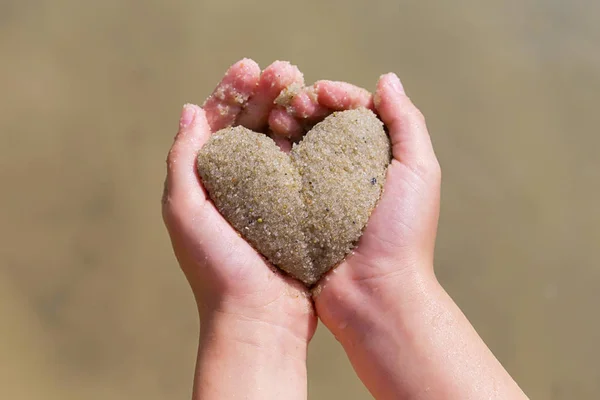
401,221
216,260
402,229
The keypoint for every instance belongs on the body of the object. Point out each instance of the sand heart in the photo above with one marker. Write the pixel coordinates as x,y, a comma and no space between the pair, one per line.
304,211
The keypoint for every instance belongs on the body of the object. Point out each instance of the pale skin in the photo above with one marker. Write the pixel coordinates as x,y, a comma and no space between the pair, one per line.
403,334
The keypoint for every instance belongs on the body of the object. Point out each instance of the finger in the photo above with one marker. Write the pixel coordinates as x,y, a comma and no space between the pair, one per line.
182,183
411,144
305,105
275,78
296,111
230,96
285,125
342,96
284,144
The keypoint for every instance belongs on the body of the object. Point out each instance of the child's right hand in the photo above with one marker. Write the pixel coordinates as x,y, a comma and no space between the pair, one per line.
399,240
404,335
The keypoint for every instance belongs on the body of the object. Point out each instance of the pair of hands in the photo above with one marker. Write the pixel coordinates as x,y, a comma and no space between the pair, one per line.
245,305
403,334
226,274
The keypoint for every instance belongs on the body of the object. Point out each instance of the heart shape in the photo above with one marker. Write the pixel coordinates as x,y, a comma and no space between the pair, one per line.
304,211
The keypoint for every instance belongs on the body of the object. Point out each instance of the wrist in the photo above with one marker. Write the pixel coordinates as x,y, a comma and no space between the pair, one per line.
241,357
287,312
404,333
274,338
354,308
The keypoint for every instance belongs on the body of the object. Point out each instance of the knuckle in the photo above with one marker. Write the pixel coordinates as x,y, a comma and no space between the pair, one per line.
407,114
172,157
431,167
173,210
174,205
411,111
167,215
436,170
427,169
167,212
416,113
165,192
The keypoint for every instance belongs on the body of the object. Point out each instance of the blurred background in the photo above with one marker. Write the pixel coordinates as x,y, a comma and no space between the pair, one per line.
92,304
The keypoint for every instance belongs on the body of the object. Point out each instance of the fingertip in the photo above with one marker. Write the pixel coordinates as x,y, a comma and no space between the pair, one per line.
232,93
302,103
406,124
391,81
276,78
391,101
188,114
246,74
277,64
284,144
193,123
286,70
249,64
284,125
193,132
342,95
288,96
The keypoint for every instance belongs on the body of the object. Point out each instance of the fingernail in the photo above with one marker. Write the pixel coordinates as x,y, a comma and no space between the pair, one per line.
187,115
395,84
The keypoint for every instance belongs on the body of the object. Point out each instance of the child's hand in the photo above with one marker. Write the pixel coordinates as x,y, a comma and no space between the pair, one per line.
400,236
403,334
255,322
226,274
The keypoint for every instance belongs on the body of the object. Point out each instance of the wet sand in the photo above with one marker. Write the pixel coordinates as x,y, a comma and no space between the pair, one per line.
91,300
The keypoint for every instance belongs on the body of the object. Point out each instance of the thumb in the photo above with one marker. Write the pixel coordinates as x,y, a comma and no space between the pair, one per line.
183,183
411,143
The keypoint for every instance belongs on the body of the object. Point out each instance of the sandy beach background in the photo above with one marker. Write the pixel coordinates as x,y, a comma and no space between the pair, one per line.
92,304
